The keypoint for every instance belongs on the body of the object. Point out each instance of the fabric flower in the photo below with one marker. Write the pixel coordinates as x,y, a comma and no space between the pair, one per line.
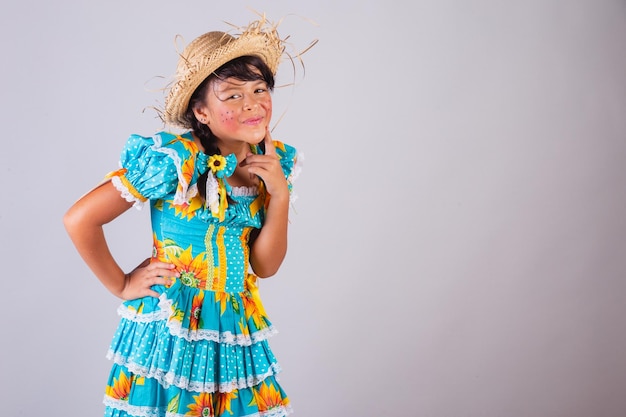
222,166
217,188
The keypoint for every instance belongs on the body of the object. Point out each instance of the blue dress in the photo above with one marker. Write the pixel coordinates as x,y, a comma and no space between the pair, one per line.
200,349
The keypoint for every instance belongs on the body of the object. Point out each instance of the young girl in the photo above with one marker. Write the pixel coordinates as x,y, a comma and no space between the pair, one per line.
192,339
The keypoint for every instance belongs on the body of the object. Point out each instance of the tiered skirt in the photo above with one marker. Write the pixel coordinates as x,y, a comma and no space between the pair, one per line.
194,352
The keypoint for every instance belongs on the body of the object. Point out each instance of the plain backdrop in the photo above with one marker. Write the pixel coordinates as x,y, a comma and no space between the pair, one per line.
458,248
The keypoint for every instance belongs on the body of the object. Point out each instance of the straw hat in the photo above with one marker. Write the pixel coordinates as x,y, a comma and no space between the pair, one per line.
210,51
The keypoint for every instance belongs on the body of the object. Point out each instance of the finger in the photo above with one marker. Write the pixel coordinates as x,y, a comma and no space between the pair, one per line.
153,293
166,281
162,265
244,162
161,269
165,273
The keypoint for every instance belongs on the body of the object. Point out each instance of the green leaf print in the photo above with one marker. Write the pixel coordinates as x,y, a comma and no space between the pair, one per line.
235,304
172,406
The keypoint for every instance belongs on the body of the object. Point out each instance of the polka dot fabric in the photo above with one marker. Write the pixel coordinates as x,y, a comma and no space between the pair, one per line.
201,348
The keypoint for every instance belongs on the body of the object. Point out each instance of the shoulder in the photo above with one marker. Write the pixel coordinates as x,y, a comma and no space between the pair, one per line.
164,143
290,159
160,164
161,151
284,150
291,163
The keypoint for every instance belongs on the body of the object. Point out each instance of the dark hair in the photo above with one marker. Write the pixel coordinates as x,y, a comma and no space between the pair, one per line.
242,68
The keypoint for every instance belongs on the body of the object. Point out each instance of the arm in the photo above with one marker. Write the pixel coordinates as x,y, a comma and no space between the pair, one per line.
269,245
84,223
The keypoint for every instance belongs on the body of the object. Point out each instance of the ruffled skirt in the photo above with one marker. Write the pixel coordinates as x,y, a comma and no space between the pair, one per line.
194,352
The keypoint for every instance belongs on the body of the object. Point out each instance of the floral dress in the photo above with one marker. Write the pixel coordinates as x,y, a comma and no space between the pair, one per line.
200,349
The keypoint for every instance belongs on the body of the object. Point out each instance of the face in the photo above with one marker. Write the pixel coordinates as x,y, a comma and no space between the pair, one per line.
237,112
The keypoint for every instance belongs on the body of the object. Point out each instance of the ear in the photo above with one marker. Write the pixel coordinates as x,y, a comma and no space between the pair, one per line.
202,114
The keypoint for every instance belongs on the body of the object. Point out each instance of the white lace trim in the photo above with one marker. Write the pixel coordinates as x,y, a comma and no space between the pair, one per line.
183,195
192,191
137,411
126,194
297,167
243,191
212,193
133,410
167,379
281,411
221,337
176,328
295,173
162,314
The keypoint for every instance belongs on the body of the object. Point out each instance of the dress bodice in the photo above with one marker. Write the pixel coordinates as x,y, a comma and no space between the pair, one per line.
208,254
207,243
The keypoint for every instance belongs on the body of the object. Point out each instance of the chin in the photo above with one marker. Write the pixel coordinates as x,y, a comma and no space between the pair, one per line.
258,138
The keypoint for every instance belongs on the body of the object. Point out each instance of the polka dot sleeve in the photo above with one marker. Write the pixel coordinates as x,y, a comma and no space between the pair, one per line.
291,163
145,173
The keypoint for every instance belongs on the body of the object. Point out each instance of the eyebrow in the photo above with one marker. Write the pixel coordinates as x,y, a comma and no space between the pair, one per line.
228,85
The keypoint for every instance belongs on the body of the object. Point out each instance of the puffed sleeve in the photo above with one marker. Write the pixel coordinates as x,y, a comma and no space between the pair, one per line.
148,170
291,163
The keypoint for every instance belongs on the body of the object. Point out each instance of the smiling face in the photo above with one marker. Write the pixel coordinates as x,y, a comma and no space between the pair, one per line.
237,112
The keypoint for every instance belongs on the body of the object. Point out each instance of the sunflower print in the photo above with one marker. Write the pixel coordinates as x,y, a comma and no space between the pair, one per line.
188,145
222,298
157,247
120,390
203,407
252,311
223,402
196,310
188,209
267,397
193,270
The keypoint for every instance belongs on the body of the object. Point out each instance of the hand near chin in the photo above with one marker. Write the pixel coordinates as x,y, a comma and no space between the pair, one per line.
267,167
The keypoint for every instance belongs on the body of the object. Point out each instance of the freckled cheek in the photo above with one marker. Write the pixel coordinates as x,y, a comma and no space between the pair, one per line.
267,105
227,118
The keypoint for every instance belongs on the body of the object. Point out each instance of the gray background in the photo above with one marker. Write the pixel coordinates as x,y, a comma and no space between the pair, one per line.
458,246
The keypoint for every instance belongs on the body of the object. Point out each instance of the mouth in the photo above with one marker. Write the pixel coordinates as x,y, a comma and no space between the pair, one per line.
253,121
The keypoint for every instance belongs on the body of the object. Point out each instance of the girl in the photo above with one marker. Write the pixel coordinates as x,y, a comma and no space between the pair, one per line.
192,339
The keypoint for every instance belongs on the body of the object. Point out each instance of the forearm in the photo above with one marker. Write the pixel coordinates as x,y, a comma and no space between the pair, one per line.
84,224
270,246
91,245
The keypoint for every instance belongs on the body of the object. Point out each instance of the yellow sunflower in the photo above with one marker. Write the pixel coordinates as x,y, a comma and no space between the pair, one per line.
193,271
245,330
203,406
216,163
157,248
187,209
120,388
223,402
251,309
267,397
223,298
196,309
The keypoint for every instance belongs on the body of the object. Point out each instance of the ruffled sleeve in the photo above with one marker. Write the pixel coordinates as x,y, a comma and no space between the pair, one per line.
153,168
291,162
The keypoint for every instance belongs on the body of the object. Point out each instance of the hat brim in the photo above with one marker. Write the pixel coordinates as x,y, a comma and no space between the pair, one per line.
201,58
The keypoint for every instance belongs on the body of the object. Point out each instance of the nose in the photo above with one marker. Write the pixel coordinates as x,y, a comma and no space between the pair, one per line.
250,103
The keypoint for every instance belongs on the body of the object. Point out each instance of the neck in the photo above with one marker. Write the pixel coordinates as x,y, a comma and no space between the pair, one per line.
240,149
